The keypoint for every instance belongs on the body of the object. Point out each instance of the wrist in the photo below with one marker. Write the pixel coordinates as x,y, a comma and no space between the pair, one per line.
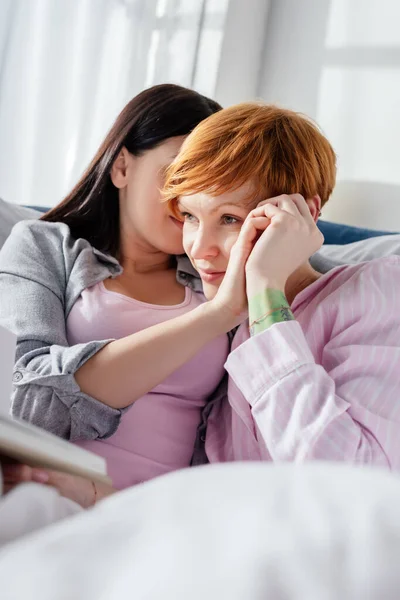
221,317
267,308
100,490
257,283
95,494
261,287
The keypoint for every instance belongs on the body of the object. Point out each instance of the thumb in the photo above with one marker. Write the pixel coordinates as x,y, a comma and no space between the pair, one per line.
40,475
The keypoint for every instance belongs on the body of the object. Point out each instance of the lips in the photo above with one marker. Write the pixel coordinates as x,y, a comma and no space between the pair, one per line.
210,276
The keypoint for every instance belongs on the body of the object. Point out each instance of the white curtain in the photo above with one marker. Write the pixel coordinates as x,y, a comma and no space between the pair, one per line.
67,67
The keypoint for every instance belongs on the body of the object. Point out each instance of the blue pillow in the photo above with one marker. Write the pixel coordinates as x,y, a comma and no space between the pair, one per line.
41,209
336,233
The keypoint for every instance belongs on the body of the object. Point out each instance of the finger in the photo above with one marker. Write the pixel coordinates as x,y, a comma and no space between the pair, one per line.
291,203
302,206
58,479
288,205
249,234
252,228
274,200
16,472
40,475
285,202
260,211
273,212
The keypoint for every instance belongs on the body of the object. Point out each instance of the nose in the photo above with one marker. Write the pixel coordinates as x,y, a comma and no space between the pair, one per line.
204,245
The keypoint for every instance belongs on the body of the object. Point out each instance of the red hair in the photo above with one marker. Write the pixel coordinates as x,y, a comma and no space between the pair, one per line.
279,151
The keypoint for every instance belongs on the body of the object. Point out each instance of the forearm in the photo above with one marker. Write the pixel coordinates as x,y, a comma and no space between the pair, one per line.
303,419
126,369
300,412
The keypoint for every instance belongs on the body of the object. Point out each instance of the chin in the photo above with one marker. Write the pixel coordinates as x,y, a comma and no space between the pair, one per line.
210,291
172,237
170,246
174,250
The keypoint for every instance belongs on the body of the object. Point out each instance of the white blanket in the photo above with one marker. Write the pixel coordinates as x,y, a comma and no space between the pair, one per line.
239,532
30,507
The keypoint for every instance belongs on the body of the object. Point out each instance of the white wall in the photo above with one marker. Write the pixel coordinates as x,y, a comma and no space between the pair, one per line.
339,62
241,56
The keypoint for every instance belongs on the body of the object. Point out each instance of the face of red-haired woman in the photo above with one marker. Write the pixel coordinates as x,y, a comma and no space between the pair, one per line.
211,226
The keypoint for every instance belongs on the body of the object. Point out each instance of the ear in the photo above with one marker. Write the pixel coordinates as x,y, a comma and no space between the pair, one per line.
314,204
119,169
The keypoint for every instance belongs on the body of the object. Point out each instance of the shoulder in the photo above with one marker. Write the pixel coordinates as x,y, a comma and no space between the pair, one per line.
46,253
373,277
52,242
377,264
36,242
36,252
365,296
355,279
35,237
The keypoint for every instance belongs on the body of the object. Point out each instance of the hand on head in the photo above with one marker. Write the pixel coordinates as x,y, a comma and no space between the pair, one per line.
284,235
276,238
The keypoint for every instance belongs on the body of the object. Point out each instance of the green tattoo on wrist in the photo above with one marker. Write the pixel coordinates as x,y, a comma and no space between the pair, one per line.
267,308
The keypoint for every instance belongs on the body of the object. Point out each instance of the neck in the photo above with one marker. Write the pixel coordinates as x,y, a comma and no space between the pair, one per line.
299,280
138,257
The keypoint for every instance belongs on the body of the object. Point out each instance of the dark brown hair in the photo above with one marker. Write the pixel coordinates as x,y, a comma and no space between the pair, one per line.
91,209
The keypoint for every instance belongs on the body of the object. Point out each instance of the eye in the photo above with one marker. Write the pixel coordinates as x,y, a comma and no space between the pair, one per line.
187,217
229,220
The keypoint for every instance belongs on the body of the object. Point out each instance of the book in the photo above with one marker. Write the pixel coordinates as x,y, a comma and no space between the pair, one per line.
32,445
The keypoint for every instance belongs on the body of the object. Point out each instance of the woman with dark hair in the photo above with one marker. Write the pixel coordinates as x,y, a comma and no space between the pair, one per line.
163,113
103,323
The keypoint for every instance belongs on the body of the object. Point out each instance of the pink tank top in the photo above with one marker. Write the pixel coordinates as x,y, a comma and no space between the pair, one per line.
156,435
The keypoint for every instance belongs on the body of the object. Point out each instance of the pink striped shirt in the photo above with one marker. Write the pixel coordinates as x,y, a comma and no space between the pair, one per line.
325,386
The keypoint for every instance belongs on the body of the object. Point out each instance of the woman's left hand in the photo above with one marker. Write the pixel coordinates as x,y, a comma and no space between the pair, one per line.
288,236
82,491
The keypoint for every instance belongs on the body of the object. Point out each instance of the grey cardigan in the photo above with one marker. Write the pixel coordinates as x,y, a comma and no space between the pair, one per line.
43,271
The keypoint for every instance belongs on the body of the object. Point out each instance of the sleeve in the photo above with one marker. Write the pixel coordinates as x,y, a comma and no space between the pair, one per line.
344,405
32,298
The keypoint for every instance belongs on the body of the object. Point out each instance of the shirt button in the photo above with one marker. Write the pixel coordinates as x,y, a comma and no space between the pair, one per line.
17,376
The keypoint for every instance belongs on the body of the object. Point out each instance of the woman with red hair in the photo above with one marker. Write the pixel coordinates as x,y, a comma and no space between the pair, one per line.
313,373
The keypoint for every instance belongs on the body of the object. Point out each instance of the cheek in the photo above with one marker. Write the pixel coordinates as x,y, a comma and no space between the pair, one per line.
187,240
146,195
229,242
